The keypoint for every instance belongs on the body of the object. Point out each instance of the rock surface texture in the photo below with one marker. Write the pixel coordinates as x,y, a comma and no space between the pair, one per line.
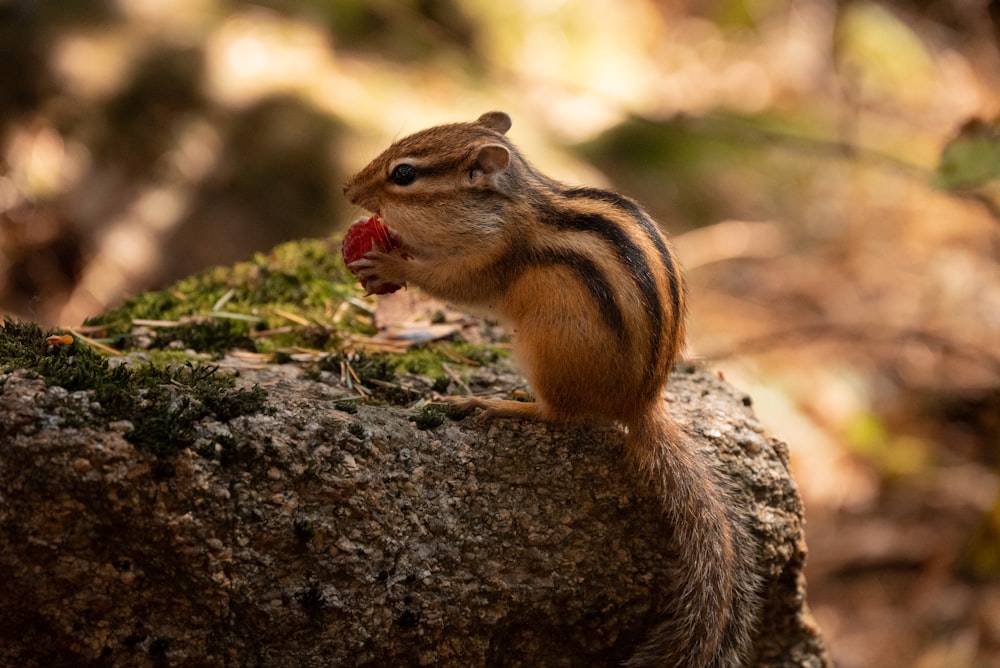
308,536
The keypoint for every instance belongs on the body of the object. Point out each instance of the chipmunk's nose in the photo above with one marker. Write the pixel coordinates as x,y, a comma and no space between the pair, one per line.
367,202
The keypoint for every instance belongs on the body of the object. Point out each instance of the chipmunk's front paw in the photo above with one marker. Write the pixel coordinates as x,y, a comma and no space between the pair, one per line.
380,272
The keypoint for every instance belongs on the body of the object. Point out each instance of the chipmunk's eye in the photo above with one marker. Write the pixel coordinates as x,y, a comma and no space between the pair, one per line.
403,174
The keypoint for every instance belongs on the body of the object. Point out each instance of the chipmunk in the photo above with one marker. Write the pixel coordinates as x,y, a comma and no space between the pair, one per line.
595,298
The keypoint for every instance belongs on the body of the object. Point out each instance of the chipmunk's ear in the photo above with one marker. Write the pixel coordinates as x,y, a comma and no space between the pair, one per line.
490,159
495,120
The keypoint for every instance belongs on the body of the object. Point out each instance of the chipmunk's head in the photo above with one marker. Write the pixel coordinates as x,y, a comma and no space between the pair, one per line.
438,181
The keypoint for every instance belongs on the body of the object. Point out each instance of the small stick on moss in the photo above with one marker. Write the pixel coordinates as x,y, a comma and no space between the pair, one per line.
93,343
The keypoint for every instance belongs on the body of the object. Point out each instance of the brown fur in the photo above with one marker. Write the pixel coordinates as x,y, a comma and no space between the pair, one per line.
591,289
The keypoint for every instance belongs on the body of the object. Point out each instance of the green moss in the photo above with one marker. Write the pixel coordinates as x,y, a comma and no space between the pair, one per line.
375,374
424,361
396,394
216,337
430,359
279,302
433,414
289,293
348,405
430,417
23,346
173,357
368,368
360,369
163,404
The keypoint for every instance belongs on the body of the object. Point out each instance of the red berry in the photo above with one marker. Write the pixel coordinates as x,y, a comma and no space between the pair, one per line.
365,235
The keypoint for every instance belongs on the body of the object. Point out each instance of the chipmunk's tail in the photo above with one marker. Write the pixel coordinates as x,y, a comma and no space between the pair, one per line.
715,604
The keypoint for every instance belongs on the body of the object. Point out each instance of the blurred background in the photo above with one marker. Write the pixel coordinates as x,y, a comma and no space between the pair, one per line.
830,172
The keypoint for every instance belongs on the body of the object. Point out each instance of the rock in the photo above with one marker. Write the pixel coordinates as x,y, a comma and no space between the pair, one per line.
307,536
